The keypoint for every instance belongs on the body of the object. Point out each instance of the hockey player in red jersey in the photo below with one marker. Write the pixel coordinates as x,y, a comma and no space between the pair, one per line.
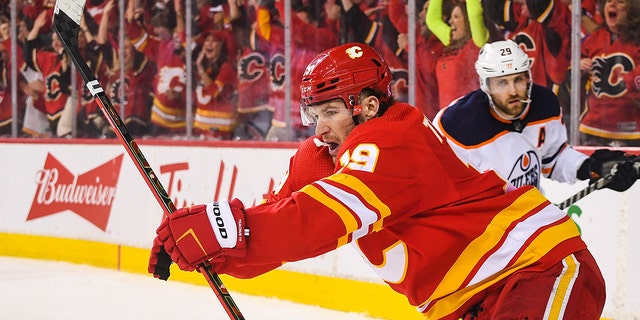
454,241
521,121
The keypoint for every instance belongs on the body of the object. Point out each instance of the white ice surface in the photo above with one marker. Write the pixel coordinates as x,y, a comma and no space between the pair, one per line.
49,290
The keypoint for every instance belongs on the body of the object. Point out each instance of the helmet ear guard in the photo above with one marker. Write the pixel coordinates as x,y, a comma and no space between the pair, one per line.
342,73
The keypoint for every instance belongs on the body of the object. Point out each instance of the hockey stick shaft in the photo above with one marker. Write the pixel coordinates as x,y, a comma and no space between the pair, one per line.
67,17
596,185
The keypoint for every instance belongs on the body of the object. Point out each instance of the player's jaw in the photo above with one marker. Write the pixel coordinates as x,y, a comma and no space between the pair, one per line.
512,105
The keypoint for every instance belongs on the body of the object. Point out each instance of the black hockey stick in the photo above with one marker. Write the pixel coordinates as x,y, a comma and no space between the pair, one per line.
66,22
596,185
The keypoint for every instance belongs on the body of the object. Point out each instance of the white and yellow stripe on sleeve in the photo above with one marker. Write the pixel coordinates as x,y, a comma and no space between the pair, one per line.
352,201
562,288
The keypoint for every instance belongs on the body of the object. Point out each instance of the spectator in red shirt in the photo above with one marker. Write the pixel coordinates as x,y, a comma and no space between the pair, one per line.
216,89
168,113
611,59
462,37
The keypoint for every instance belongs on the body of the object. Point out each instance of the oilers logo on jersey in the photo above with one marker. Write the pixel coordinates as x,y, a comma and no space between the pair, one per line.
526,170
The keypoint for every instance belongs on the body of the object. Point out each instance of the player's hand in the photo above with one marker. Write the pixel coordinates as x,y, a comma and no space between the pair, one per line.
202,233
624,174
615,162
602,161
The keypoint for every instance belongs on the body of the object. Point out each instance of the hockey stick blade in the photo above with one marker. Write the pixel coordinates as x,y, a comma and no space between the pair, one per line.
66,22
596,185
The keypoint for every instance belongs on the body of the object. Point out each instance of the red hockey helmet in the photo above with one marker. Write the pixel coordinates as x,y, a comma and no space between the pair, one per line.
342,73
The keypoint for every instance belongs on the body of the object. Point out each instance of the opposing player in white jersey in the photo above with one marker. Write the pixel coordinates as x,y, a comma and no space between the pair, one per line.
515,127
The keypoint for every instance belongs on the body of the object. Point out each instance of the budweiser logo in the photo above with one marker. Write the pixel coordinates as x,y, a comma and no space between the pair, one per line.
89,195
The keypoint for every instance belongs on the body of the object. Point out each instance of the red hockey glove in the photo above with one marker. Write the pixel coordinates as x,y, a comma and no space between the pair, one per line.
202,233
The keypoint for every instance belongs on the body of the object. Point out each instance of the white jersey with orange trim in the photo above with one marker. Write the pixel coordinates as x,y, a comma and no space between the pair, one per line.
521,150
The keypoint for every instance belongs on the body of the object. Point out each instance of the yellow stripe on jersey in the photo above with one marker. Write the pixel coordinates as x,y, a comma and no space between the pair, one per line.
486,242
540,246
366,216
546,241
352,205
365,193
349,221
562,288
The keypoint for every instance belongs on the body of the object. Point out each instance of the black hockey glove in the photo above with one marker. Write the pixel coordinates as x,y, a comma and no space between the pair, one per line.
624,174
159,262
604,162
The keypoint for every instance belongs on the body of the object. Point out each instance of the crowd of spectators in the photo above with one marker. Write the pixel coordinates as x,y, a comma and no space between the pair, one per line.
237,70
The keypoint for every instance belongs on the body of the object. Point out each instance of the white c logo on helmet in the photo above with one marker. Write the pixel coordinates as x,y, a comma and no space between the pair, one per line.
354,52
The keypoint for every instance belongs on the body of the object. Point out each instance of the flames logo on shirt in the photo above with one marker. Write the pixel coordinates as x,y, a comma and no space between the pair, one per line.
526,170
55,86
251,67
607,75
90,195
171,78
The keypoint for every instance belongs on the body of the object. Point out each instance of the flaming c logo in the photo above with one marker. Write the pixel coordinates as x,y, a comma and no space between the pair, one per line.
354,52
89,195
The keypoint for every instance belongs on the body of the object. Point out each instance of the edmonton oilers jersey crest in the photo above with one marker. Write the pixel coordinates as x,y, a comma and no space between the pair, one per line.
526,170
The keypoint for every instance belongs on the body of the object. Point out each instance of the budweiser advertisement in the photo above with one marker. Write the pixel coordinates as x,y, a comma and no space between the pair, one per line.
89,195
94,192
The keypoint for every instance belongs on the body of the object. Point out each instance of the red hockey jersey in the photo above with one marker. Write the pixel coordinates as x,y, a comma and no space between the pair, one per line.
435,229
